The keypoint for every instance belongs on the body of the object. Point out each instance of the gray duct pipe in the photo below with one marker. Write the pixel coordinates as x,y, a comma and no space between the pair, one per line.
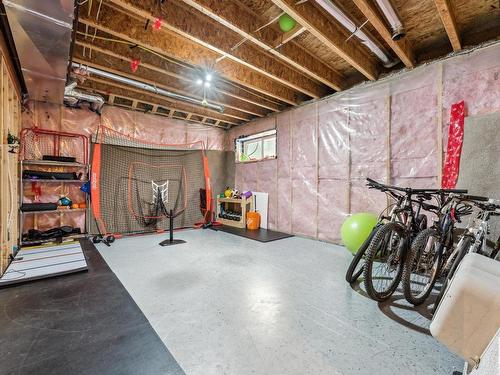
397,28
148,87
345,21
72,97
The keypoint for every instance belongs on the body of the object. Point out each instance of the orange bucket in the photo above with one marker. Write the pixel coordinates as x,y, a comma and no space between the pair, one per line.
253,220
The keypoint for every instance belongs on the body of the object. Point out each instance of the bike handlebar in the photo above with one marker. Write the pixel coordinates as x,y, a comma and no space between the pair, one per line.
492,207
375,184
475,198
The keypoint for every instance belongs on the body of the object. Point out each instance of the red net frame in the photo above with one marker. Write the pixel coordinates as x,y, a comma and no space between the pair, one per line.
106,138
36,142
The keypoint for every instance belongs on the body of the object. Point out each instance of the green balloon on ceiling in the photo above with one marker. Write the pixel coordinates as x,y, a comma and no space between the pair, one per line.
286,23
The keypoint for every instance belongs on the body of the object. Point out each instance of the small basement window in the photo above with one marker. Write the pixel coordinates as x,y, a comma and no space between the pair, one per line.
260,146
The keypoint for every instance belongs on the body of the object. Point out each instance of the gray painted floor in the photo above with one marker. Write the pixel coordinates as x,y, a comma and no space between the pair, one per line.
227,305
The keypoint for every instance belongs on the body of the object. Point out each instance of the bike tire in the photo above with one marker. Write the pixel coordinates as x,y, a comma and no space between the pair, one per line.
416,249
371,257
354,272
464,247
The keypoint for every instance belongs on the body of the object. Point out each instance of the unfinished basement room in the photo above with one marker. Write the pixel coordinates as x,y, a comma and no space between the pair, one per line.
250,187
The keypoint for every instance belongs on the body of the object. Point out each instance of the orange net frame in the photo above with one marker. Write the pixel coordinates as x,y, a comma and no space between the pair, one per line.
136,185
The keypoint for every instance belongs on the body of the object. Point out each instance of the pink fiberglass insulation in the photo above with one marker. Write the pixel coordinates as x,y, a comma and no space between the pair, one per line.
146,126
304,202
368,150
474,78
327,149
284,182
304,136
284,150
332,208
333,141
268,183
304,123
414,133
333,158
367,124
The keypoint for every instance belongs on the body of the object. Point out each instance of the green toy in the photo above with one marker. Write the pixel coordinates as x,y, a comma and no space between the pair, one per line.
356,230
286,23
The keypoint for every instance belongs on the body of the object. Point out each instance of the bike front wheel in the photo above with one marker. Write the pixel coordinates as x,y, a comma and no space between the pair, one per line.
421,268
384,261
357,264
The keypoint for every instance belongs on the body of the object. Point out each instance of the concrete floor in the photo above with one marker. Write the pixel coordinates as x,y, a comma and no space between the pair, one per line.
227,305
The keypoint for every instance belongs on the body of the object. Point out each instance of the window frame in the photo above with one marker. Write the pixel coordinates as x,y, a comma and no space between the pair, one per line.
260,136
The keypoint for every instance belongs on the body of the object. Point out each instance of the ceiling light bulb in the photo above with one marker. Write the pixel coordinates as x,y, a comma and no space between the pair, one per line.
207,84
208,77
199,81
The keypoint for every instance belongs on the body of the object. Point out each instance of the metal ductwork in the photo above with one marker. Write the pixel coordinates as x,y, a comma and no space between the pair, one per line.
345,21
41,30
73,98
148,87
397,28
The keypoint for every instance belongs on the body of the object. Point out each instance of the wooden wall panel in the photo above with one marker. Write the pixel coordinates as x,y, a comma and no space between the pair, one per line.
10,116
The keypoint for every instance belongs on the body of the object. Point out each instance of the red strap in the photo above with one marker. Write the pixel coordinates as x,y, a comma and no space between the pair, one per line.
454,150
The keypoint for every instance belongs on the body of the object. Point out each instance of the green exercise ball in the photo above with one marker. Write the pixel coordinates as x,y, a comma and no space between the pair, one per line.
356,230
286,23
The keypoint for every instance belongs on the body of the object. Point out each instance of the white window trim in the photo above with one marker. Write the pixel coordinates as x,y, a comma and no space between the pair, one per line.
261,136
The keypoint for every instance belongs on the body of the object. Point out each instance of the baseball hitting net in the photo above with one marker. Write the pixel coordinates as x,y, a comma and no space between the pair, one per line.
140,187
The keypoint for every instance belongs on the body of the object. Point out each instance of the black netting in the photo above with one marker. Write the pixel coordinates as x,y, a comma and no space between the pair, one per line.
141,183
156,191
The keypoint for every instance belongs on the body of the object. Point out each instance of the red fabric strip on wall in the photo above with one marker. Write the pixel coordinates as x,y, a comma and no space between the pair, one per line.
454,149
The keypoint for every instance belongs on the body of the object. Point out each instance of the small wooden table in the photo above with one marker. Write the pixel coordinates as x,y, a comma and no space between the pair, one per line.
239,206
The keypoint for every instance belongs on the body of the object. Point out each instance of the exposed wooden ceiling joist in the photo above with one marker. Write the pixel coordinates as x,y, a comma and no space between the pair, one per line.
400,47
330,34
114,68
178,71
186,87
289,36
106,87
245,23
446,14
122,26
204,31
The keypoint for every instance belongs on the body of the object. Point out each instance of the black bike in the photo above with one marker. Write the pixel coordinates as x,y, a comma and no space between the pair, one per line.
432,248
390,213
386,252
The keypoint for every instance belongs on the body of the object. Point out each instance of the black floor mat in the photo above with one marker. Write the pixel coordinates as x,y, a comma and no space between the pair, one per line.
261,235
84,323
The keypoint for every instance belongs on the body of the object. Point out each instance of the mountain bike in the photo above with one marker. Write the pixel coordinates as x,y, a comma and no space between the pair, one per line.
386,252
429,254
390,213
473,240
